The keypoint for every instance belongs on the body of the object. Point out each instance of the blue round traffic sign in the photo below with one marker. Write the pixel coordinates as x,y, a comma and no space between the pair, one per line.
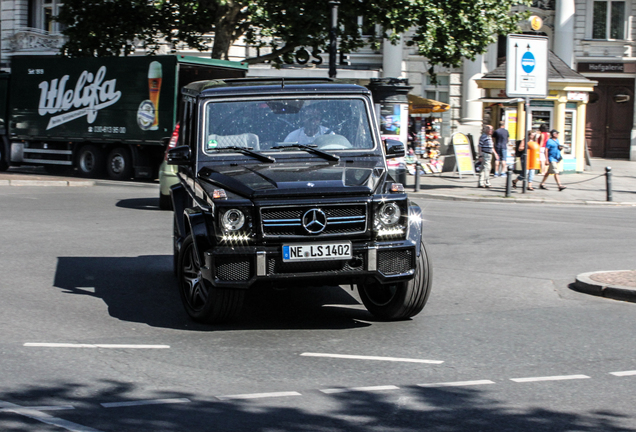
528,62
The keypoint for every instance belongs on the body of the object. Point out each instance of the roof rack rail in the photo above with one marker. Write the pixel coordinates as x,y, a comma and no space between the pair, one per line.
282,79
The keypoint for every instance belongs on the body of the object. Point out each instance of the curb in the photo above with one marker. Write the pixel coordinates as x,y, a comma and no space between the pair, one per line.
518,200
72,183
587,285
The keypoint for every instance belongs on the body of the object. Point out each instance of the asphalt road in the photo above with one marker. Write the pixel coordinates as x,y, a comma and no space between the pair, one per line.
93,336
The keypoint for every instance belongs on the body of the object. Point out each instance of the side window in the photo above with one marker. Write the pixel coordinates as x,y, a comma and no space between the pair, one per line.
186,135
42,15
608,20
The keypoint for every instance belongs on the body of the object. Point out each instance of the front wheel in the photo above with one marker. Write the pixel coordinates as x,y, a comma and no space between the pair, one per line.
402,300
203,302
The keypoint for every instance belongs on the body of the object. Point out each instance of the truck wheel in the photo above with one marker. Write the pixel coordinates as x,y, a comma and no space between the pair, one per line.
90,161
400,300
4,154
202,302
119,164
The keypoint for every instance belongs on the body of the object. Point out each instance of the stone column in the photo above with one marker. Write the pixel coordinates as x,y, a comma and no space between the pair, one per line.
472,118
579,151
392,59
564,31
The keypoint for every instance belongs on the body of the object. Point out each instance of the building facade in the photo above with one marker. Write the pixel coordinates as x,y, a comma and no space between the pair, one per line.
593,37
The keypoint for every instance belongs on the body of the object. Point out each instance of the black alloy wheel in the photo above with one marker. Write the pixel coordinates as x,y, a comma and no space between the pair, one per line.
203,302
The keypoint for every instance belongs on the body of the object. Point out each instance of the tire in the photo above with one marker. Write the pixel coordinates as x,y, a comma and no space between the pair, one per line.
402,300
165,203
90,161
202,302
119,164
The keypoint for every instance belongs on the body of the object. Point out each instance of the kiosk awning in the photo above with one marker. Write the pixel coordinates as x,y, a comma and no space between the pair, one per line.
420,105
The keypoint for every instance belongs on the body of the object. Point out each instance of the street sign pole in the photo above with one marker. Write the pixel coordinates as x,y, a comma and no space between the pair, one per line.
526,77
525,147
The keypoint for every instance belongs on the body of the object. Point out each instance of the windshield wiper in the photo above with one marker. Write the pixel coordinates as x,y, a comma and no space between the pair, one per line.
310,149
246,151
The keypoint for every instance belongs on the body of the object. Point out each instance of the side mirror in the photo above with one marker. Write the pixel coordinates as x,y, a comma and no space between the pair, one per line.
394,149
179,155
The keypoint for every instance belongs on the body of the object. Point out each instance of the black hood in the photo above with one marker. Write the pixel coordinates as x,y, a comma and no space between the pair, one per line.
296,178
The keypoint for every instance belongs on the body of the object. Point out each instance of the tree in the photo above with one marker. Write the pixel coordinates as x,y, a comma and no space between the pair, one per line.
445,31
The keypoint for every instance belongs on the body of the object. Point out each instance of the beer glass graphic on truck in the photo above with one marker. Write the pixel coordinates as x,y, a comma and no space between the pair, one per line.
148,112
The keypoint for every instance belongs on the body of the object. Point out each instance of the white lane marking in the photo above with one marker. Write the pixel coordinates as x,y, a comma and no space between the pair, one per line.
358,357
549,378
145,402
259,395
457,383
114,346
359,389
41,408
45,418
623,373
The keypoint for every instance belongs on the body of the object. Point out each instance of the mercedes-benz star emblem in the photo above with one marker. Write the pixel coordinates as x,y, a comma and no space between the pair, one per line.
314,221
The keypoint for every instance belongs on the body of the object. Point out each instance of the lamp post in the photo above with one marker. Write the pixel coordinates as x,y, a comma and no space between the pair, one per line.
333,40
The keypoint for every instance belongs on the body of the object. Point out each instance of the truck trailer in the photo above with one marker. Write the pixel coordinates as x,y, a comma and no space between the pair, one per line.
97,116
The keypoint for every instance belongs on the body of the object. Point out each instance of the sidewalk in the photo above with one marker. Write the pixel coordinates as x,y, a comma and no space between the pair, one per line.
584,188
37,176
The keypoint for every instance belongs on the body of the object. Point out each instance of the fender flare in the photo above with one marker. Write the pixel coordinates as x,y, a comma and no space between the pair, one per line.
195,225
179,196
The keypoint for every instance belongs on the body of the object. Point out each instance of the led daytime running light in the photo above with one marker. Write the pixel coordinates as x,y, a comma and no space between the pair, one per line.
392,232
236,238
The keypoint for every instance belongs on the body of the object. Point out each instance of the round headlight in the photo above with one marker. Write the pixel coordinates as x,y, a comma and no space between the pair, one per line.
390,214
233,220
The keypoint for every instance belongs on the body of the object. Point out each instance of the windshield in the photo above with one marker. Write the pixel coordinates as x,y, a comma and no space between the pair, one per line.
282,124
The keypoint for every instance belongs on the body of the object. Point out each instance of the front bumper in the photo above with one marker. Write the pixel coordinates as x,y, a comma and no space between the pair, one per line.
243,266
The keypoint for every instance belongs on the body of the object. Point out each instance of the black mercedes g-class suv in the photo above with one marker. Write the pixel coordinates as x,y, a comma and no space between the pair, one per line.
285,182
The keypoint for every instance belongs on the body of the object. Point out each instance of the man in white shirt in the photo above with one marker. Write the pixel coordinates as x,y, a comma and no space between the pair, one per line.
310,130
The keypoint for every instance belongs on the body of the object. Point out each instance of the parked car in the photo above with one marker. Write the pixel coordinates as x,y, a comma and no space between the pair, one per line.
285,183
168,173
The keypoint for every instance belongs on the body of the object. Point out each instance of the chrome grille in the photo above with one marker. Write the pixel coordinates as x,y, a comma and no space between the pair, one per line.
341,219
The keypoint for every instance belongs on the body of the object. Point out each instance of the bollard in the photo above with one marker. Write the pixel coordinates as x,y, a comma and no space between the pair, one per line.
608,182
417,176
508,181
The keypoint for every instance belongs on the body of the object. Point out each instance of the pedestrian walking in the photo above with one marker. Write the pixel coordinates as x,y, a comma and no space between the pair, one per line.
542,139
486,152
533,159
552,158
500,138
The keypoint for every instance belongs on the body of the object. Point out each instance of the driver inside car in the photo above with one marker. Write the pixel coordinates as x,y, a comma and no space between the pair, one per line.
311,128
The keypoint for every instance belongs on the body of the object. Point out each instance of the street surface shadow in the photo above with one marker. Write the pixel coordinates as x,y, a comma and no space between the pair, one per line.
139,203
409,409
144,289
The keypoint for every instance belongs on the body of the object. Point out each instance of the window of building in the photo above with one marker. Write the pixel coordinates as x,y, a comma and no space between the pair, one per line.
437,92
608,20
42,15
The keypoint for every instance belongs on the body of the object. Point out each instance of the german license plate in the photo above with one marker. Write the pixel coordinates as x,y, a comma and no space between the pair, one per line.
317,251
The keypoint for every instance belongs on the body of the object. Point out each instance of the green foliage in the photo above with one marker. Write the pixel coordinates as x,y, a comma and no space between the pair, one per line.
445,31
106,28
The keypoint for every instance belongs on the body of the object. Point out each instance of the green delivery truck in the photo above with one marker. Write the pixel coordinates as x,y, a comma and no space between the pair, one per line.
96,116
